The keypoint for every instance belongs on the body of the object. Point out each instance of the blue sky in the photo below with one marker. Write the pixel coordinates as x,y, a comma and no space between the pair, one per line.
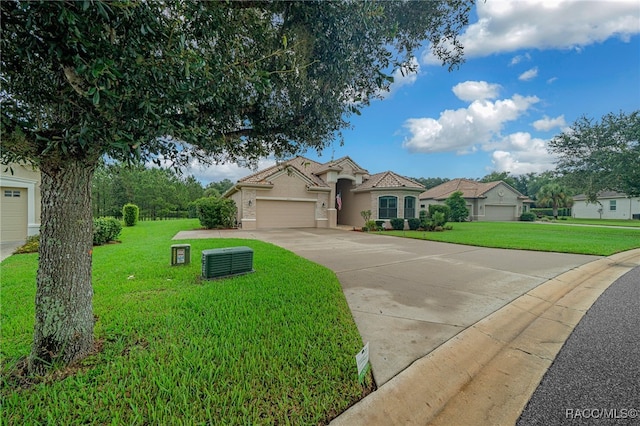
532,68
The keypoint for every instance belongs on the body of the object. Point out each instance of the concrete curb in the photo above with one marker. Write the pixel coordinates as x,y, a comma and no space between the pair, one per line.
487,373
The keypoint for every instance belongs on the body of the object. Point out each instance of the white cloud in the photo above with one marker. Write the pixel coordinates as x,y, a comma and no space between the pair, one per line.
529,74
460,130
403,77
545,124
520,58
476,90
508,26
519,153
218,172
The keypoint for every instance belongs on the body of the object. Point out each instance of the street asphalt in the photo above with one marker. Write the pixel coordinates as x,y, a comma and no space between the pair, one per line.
595,378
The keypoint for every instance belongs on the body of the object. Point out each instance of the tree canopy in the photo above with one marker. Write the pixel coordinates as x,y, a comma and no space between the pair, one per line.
173,81
223,80
595,156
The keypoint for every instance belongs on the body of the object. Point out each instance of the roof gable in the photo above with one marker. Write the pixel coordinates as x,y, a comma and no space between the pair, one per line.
301,166
469,189
388,180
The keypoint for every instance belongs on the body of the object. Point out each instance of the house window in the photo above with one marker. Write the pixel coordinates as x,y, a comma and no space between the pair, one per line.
9,193
612,205
409,207
387,207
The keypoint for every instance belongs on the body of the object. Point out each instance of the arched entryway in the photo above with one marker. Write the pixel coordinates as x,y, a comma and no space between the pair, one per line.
344,201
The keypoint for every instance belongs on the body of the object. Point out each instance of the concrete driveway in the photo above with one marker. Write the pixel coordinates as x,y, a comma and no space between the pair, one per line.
410,296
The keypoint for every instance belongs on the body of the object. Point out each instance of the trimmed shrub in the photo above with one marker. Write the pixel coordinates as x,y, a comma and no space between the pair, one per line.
216,212
438,219
440,208
424,219
130,214
414,223
31,246
372,225
380,224
528,217
397,223
105,229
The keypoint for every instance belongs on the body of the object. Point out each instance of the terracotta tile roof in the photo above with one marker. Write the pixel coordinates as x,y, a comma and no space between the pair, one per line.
388,179
303,165
469,189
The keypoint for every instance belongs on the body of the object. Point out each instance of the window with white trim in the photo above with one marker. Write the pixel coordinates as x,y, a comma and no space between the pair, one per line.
612,205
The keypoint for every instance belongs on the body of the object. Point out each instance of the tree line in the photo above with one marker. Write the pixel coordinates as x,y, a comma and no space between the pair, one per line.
158,192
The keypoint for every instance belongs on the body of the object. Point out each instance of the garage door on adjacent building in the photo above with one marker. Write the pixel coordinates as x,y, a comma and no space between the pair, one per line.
13,214
499,213
285,214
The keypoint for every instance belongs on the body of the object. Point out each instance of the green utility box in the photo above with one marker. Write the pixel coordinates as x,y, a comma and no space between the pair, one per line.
224,262
180,254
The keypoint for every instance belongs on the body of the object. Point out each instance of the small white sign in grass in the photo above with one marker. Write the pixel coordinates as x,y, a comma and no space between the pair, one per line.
362,360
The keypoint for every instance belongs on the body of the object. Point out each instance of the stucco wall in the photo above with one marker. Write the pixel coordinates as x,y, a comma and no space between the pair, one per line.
22,176
625,209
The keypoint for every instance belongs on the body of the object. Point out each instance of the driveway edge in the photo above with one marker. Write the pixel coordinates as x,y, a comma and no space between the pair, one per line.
487,373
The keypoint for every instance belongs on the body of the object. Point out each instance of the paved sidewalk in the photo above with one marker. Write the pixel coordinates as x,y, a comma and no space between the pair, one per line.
7,249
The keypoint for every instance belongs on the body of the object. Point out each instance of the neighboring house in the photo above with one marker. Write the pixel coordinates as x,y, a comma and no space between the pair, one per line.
609,205
302,193
490,201
19,202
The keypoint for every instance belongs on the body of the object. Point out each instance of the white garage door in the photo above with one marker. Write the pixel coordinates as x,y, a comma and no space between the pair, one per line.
500,213
285,214
13,217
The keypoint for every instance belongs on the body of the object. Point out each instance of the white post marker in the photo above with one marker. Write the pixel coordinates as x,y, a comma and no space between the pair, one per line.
362,360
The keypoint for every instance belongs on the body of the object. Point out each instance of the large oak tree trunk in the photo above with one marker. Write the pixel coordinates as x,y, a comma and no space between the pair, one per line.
64,320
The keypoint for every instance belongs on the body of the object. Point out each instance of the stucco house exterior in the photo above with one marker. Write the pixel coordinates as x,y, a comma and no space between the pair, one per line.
19,202
302,193
490,201
610,205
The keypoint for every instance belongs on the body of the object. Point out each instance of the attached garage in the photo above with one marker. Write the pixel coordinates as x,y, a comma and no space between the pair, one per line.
500,213
285,214
13,214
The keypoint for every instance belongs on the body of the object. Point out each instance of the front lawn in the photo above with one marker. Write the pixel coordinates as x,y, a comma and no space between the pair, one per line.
604,222
273,347
535,236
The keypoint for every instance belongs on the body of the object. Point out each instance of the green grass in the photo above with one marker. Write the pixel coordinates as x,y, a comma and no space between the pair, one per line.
535,236
273,347
604,222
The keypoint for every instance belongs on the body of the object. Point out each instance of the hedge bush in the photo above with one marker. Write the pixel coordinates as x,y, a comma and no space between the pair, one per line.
444,209
528,217
397,223
130,213
414,223
105,229
216,212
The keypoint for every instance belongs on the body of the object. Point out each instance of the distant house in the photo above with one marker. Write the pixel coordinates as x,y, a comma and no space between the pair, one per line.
490,201
609,205
302,193
19,202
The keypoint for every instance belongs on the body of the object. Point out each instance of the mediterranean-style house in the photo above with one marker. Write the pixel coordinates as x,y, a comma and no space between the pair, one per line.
609,205
19,202
486,201
302,193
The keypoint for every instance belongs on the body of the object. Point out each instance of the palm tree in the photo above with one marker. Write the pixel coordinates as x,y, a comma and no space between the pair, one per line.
554,195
